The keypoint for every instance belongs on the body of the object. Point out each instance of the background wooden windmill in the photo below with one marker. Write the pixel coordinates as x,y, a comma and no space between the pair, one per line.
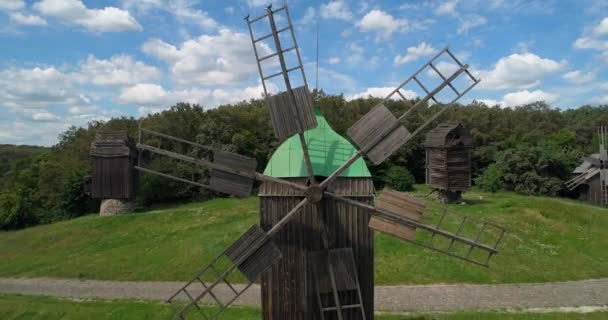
448,161
591,176
314,247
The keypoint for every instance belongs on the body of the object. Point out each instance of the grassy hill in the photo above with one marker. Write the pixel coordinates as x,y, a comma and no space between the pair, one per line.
549,240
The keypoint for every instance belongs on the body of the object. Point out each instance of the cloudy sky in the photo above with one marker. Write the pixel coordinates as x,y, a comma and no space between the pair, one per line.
67,62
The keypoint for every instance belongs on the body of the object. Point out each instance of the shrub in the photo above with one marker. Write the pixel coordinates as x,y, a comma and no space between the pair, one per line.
492,179
399,178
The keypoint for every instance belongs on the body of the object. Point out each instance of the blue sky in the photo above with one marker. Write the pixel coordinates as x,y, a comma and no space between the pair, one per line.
67,62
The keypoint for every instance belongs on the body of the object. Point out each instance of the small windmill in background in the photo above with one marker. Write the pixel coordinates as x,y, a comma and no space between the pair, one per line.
592,175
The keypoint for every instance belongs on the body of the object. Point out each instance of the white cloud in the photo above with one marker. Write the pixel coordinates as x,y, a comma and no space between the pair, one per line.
382,23
447,8
44,116
525,97
119,70
578,77
591,43
414,53
309,16
224,58
489,102
600,99
380,92
470,22
595,40
519,71
601,28
108,19
186,13
143,94
334,60
336,9
28,20
12,5
37,88
83,110
152,97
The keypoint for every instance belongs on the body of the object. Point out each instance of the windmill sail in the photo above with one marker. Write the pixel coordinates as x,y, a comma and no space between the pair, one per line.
291,110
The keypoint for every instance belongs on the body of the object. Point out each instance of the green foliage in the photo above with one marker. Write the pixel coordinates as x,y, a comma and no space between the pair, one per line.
74,201
399,178
155,189
492,179
529,149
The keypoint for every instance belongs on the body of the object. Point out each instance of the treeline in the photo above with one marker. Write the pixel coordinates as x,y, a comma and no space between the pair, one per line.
530,149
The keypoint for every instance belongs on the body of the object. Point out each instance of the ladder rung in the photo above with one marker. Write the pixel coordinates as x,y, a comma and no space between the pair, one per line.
401,94
210,292
350,306
281,72
258,18
461,65
273,75
444,79
266,15
275,54
424,88
270,34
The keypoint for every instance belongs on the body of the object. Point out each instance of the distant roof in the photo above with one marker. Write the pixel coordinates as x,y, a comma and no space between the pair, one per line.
586,164
328,150
448,135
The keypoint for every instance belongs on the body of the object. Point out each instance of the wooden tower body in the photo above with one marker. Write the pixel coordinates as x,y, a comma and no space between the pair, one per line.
448,159
114,156
288,290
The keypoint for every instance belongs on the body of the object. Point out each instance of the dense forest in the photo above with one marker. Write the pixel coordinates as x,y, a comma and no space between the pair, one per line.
530,149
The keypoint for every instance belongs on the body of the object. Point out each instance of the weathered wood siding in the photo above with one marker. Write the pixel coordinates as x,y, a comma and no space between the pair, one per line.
288,290
448,158
113,158
113,178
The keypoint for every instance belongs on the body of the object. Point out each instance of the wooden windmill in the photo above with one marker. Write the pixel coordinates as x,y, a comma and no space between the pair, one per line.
113,180
313,249
448,161
592,175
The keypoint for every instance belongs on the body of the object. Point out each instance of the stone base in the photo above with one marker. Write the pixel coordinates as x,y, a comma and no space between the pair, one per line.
446,196
111,207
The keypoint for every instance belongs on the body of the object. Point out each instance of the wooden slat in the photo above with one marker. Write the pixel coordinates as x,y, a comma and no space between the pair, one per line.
374,124
260,261
240,246
390,228
403,205
231,183
283,112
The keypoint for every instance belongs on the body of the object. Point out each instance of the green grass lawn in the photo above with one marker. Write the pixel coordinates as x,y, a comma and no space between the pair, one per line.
17,307
548,240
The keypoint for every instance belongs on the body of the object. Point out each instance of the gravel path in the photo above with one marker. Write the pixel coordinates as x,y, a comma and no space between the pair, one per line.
418,298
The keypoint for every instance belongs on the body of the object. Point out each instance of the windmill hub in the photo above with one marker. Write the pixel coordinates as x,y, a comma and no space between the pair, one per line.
314,193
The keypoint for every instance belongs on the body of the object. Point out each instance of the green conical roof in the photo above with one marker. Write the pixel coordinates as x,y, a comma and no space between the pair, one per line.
328,150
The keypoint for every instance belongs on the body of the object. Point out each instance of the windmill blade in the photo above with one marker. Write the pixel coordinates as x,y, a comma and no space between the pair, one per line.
379,133
250,257
593,161
581,178
230,173
399,215
291,111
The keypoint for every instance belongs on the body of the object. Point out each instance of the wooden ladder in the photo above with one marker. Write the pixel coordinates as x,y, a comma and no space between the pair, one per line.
335,272
249,257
